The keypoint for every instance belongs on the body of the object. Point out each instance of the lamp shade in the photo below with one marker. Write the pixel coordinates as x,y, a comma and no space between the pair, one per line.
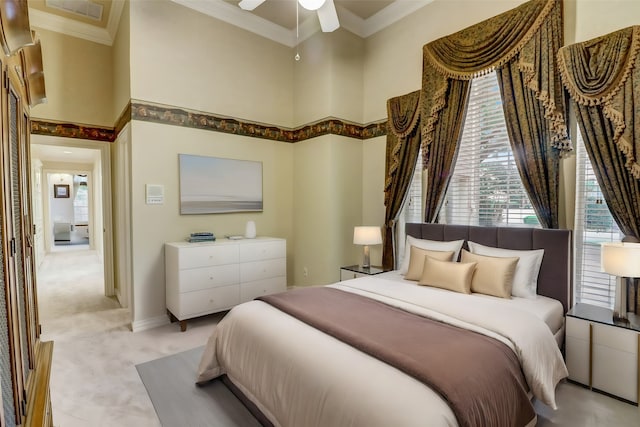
311,4
366,235
621,259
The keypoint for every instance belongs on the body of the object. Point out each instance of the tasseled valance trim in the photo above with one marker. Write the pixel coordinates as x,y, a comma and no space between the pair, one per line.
403,113
487,46
620,52
443,53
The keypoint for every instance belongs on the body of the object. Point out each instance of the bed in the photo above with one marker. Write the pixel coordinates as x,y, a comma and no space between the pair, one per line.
294,374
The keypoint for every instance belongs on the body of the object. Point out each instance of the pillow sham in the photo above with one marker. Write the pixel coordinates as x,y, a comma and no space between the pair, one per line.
525,278
493,276
416,263
454,276
432,245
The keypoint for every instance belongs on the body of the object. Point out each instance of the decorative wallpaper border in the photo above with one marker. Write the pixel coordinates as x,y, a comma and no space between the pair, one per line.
174,116
72,130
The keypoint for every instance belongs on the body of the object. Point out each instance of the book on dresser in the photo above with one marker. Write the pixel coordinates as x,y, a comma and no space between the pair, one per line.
208,277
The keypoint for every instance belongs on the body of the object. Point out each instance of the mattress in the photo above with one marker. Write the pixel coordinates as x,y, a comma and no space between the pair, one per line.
297,375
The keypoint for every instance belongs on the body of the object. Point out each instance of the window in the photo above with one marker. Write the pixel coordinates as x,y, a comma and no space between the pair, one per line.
81,200
485,188
593,225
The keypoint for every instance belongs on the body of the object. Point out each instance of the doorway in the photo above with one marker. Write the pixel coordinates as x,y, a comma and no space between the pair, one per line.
70,210
71,199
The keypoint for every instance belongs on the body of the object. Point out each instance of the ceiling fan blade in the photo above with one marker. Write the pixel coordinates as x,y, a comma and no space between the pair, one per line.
250,4
328,17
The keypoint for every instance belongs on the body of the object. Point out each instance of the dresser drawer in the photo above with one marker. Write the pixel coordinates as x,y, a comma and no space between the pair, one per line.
252,290
207,255
577,328
615,338
263,250
208,301
615,371
263,270
209,277
578,362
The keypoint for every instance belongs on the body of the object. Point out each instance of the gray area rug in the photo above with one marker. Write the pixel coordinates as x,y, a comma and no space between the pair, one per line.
170,382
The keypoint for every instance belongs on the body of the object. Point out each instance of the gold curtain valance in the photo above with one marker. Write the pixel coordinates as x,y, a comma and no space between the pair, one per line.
403,116
605,73
529,35
403,112
489,44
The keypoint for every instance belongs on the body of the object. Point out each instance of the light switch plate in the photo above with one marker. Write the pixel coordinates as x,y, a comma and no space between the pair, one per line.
155,194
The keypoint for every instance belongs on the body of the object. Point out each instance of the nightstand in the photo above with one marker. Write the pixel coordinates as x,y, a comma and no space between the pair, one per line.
355,271
602,353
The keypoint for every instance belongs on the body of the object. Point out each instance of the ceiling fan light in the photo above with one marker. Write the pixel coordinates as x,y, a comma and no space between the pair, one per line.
311,4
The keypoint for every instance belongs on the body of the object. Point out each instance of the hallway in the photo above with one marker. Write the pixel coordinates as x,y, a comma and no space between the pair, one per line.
93,380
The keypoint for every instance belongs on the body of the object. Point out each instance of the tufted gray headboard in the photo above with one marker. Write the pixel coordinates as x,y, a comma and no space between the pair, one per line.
556,273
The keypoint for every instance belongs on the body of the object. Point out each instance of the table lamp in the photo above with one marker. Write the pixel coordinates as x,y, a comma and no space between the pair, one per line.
623,260
366,235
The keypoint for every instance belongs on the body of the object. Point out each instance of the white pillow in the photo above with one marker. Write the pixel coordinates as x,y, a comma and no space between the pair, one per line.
432,245
525,279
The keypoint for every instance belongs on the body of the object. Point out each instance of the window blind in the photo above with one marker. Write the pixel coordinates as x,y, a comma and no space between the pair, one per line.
593,225
485,188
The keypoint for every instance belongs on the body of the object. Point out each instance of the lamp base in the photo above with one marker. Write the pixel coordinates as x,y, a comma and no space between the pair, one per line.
365,259
620,305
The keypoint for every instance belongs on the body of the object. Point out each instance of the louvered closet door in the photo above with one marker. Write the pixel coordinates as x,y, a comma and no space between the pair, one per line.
12,336
28,228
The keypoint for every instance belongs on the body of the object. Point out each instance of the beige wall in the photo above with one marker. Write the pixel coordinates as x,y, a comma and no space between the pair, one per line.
327,205
121,64
184,58
78,79
153,225
328,79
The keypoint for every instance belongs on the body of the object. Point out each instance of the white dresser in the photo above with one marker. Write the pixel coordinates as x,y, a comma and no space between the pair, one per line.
204,278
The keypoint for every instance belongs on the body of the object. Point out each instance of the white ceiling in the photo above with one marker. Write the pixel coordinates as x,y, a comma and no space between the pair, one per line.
274,19
54,153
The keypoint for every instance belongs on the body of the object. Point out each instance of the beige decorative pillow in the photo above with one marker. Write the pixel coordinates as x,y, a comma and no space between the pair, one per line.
432,245
416,263
494,275
454,276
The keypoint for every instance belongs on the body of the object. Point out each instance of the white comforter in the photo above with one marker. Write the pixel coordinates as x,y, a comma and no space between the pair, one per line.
298,376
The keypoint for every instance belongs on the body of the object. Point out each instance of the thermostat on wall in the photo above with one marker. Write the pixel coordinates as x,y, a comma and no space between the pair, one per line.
155,194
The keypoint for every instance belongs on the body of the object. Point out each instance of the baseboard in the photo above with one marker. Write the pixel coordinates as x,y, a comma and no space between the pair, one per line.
154,322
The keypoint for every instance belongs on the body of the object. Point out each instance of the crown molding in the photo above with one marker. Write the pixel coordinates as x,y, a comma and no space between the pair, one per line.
233,15
241,18
391,14
60,24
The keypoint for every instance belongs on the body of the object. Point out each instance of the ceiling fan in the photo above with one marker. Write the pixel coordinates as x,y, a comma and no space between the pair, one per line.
327,14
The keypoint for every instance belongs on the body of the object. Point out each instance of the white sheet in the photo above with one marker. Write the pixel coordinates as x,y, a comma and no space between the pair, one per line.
544,308
299,376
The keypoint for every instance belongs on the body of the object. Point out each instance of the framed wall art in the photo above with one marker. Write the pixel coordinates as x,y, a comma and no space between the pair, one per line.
61,191
218,185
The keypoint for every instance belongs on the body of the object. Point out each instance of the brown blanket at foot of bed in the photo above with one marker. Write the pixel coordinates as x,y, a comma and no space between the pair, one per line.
478,376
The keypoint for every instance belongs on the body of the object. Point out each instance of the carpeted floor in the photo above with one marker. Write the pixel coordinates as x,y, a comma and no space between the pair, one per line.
94,381
179,402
